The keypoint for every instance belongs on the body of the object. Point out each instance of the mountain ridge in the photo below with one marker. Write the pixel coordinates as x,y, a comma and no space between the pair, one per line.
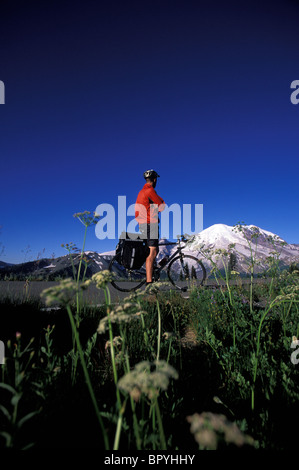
245,241
215,237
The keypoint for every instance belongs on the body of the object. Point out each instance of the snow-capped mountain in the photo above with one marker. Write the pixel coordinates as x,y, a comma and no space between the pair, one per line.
225,237
218,236
263,244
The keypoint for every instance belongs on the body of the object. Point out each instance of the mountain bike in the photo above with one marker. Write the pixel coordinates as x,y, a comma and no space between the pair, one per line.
182,270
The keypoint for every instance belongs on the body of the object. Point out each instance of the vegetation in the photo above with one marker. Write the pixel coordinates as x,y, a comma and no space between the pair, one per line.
157,371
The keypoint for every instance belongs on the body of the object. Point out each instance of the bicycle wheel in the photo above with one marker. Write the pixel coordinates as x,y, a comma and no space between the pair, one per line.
124,279
186,271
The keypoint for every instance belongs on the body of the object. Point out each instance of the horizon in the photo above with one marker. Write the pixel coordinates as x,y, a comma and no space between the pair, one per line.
94,94
87,251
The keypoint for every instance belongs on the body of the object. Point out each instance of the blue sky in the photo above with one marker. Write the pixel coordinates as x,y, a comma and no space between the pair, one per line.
98,92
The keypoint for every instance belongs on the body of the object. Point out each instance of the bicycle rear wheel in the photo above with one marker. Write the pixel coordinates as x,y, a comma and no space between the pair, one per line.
124,279
186,271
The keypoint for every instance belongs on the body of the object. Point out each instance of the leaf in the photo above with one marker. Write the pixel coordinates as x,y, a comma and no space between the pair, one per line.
15,399
20,377
7,437
5,412
8,387
28,446
26,418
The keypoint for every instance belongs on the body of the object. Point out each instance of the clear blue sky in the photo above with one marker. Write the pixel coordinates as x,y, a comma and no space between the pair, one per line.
96,92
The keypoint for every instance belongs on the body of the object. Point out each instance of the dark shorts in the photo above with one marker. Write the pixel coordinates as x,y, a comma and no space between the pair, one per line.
150,232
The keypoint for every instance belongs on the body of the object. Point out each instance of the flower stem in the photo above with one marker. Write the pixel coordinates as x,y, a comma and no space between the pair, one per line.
87,378
135,421
159,331
160,425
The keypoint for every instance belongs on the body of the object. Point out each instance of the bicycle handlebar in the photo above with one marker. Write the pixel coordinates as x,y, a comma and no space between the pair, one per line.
168,243
181,238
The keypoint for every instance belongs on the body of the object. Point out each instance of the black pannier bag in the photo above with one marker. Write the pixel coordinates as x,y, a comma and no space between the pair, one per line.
131,250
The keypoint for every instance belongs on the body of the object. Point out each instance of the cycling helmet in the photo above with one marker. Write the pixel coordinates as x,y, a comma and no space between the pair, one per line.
152,174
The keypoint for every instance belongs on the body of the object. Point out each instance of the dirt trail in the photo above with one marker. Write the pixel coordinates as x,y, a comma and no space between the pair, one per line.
189,339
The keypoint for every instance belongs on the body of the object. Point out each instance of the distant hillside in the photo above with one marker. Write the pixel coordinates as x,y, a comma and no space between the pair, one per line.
218,236
5,265
49,268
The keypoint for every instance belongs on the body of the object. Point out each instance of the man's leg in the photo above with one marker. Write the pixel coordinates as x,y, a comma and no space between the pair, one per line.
149,263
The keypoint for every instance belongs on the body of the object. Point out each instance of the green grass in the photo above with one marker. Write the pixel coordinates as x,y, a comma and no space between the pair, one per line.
155,371
60,384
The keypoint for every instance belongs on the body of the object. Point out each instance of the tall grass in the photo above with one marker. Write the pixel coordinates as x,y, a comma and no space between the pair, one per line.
149,386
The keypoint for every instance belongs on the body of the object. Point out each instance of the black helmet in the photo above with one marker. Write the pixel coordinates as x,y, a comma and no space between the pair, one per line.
151,174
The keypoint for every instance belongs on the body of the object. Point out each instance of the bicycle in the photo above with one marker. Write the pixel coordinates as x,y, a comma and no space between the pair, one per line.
182,269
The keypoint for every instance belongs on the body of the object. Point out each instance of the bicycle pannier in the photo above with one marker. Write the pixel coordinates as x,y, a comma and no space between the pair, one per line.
131,251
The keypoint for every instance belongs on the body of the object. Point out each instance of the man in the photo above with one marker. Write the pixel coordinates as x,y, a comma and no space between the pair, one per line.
147,208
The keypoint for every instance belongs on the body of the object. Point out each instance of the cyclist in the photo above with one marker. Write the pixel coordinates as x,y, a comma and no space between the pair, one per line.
147,207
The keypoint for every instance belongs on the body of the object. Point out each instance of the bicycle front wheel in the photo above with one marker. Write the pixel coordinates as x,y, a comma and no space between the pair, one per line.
186,271
125,280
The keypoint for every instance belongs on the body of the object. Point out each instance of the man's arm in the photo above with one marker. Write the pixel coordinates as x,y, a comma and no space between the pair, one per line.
155,199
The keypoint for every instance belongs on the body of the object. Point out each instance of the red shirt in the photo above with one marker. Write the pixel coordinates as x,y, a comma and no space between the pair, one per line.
148,205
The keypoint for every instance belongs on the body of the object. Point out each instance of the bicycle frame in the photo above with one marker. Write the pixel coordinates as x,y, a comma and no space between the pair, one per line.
158,269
